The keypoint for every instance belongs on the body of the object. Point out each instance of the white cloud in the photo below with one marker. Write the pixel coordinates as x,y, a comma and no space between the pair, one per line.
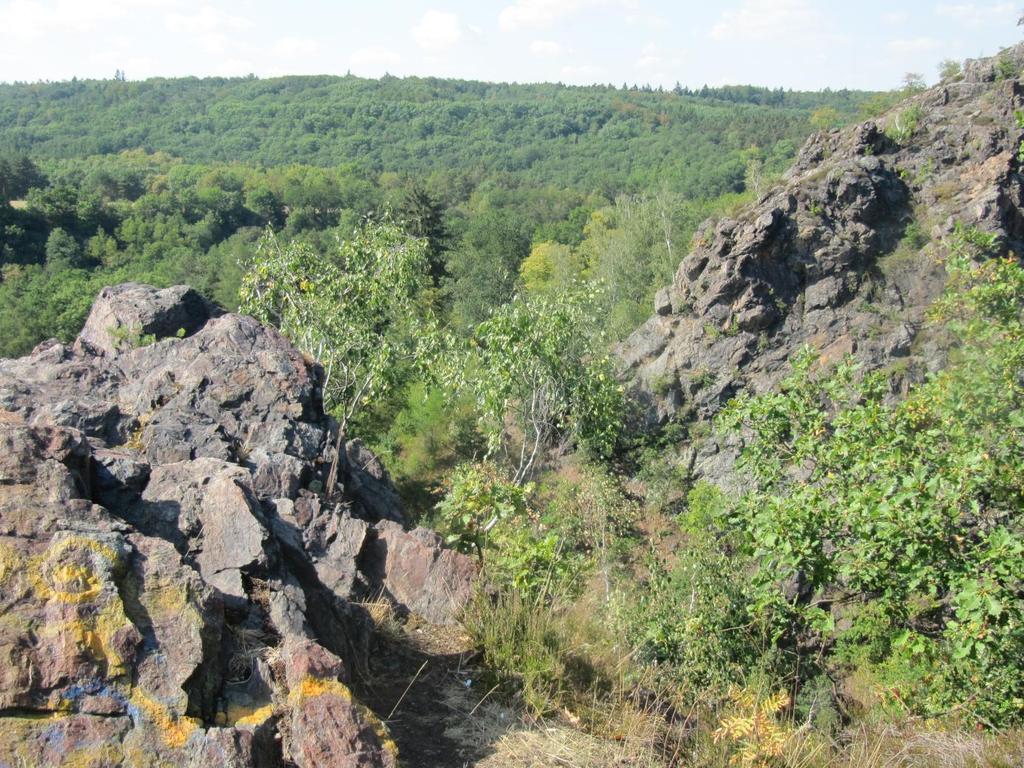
536,13
374,60
647,20
650,57
895,18
437,31
296,46
212,28
768,20
544,13
28,20
233,67
976,14
546,48
207,20
914,45
656,65
585,74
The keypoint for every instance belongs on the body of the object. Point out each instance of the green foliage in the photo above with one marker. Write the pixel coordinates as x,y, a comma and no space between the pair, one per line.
594,519
475,169
909,507
18,174
904,125
537,562
633,248
690,618
484,267
706,508
950,69
477,497
130,336
880,103
62,251
592,138
424,217
1006,69
534,363
354,310
550,267
428,437
824,118
913,82
553,658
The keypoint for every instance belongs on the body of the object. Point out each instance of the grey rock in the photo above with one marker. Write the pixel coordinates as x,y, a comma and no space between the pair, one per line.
123,314
159,544
421,573
663,302
809,263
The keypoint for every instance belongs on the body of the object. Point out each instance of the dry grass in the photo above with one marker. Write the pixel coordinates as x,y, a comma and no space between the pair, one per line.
908,746
249,645
562,747
382,613
585,699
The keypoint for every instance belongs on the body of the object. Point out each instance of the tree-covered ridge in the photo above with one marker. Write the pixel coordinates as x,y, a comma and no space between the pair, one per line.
598,138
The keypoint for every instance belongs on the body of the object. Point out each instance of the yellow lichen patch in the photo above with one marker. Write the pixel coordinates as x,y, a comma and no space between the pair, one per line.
72,569
94,633
175,730
10,562
92,757
315,686
74,583
166,597
255,718
141,756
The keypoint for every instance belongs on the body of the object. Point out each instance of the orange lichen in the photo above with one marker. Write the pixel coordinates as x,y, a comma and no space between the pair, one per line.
315,686
255,718
175,730
72,569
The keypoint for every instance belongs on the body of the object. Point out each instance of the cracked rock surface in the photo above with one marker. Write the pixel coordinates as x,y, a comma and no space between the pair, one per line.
175,587
844,255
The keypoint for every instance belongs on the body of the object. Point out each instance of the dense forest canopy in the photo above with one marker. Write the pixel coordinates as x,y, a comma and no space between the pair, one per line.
596,138
174,180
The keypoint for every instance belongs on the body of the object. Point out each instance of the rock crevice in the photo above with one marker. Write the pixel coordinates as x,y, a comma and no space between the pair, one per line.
844,255
174,585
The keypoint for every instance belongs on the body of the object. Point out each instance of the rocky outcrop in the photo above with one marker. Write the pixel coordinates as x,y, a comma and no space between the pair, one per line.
176,586
844,255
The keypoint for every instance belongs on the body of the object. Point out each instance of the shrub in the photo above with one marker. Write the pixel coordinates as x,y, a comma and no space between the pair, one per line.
912,510
478,496
691,620
904,125
950,69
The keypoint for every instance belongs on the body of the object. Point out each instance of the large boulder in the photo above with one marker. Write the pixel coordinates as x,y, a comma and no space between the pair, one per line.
127,314
844,255
175,585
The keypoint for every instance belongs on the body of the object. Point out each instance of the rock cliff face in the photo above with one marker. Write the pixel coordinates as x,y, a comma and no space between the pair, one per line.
844,255
175,586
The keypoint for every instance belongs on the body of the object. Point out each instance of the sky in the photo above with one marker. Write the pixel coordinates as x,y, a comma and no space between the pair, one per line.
799,44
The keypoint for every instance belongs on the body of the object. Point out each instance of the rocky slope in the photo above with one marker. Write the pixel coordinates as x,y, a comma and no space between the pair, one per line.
844,255
177,587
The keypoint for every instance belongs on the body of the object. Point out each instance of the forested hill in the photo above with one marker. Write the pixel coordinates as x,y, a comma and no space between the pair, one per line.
596,138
